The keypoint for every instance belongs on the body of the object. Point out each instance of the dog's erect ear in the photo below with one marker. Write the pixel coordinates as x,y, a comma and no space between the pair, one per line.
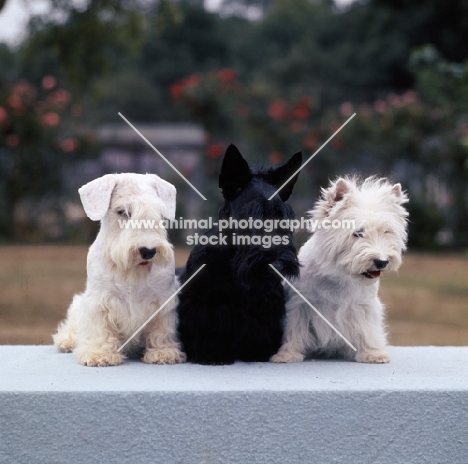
396,190
398,193
283,173
235,172
167,192
95,196
330,197
341,188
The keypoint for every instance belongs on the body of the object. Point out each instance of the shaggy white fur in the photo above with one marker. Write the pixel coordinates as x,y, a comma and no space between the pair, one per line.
130,275
341,270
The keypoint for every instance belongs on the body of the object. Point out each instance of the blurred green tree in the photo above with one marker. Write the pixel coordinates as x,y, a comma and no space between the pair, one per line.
182,40
85,42
444,84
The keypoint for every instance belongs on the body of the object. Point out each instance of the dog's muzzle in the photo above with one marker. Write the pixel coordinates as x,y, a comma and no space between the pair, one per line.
374,271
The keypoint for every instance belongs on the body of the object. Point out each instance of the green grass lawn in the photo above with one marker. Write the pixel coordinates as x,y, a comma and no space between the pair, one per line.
427,301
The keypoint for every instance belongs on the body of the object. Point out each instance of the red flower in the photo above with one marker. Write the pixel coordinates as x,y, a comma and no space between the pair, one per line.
306,102
276,157
215,150
410,96
22,87
191,81
3,115
346,109
15,102
380,106
69,144
59,97
301,112
176,90
49,82
277,110
226,75
50,119
394,100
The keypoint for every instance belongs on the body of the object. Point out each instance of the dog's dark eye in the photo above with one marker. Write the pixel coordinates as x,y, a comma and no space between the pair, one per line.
359,234
123,213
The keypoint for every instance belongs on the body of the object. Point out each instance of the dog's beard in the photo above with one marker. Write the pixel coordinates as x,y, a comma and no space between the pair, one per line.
128,265
339,254
362,264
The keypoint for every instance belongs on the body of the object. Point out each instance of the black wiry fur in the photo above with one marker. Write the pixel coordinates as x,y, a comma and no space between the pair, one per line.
233,309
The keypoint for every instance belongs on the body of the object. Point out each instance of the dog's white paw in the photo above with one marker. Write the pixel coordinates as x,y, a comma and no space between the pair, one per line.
110,358
376,357
64,344
164,356
287,357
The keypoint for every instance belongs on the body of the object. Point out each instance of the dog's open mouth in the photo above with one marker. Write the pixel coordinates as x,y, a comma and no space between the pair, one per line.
371,274
144,263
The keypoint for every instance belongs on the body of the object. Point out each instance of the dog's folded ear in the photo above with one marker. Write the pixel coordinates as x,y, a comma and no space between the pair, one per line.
167,192
235,172
283,173
95,196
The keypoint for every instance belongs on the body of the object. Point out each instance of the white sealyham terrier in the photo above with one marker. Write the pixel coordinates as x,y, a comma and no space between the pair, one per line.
341,270
130,275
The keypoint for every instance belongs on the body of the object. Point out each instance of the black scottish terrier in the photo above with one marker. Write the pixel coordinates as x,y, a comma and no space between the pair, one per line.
234,309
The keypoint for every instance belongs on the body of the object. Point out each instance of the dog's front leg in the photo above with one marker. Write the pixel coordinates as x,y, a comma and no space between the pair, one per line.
372,340
297,337
98,341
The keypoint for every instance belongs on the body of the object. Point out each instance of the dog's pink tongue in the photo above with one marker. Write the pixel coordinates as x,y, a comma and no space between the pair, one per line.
374,274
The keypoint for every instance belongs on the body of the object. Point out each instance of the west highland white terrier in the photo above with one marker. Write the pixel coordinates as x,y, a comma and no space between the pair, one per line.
341,270
130,275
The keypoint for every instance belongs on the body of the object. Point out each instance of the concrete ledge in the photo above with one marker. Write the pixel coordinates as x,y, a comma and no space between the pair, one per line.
413,410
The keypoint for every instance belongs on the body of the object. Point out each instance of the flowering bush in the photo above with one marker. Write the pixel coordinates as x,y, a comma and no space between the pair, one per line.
32,117
402,135
226,108
207,97
39,132
418,143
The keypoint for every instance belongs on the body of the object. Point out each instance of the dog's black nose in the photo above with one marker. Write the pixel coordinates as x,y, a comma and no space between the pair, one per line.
380,263
147,253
